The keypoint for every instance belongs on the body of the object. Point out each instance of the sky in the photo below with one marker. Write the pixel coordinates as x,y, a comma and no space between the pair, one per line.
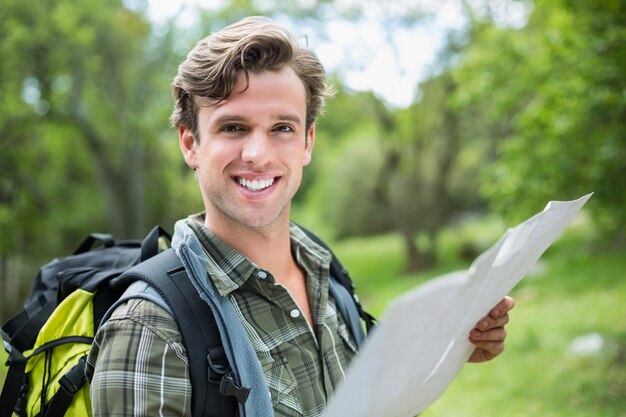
367,55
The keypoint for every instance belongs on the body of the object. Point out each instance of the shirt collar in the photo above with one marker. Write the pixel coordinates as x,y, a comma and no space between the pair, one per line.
229,269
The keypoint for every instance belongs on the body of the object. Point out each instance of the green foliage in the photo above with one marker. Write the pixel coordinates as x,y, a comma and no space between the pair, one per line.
341,183
75,119
354,205
84,100
552,96
406,170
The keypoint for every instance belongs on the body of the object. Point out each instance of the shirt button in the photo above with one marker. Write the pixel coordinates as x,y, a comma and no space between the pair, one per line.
261,274
295,313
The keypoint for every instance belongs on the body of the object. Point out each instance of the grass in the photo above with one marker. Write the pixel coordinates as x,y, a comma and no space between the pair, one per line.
578,290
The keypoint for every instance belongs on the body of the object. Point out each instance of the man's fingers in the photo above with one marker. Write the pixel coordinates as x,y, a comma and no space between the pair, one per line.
498,316
502,308
489,334
493,335
490,323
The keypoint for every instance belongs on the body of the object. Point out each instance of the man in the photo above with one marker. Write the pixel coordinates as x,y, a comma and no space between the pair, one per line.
247,98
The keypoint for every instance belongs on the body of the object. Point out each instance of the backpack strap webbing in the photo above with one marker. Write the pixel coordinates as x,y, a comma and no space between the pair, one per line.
19,334
214,390
69,385
12,383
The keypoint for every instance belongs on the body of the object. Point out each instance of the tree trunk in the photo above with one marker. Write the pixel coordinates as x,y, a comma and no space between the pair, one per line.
121,180
12,290
416,260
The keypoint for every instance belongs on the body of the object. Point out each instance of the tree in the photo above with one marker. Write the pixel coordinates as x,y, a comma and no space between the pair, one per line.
553,94
347,163
400,170
87,70
85,99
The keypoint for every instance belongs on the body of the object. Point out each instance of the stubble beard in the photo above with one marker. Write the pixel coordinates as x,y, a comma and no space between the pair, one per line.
223,208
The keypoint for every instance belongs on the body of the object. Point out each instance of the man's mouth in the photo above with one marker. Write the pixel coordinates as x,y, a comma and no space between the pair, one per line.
257,184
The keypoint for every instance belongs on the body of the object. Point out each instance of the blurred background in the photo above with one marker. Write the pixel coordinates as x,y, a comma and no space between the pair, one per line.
453,120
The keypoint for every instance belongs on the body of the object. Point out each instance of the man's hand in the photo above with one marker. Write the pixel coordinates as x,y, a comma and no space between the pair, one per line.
489,334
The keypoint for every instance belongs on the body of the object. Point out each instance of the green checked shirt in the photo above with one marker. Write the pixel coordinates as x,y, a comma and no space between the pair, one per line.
138,364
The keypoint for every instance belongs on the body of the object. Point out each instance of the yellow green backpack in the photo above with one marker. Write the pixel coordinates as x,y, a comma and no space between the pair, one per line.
48,341
57,358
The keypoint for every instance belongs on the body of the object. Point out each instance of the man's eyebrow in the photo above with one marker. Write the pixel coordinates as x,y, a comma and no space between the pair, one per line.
289,117
230,118
226,118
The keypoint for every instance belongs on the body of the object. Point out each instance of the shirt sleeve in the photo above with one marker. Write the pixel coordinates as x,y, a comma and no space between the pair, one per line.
138,365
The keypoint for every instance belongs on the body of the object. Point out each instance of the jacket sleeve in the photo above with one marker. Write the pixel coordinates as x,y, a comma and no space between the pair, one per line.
138,365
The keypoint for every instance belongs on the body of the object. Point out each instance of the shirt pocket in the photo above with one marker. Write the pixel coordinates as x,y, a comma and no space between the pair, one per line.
282,386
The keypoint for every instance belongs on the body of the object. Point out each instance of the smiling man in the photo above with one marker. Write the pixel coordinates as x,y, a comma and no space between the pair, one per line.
247,99
250,150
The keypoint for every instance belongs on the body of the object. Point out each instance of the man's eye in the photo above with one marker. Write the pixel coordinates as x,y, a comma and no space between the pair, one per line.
231,128
283,128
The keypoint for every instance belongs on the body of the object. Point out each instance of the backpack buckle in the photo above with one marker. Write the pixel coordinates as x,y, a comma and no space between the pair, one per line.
228,386
223,375
74,379
216,371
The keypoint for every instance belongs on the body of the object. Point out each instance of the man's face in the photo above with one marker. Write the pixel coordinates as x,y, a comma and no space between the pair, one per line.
251,150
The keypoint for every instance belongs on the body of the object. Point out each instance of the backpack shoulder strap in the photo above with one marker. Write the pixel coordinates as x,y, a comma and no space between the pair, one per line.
344,294
214,392
347,307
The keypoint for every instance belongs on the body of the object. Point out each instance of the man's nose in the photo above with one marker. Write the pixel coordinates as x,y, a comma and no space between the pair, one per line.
257,148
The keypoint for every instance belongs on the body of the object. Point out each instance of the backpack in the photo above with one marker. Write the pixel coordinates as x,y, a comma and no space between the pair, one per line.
48,341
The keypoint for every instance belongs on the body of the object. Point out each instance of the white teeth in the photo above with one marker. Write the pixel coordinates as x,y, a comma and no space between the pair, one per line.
256,185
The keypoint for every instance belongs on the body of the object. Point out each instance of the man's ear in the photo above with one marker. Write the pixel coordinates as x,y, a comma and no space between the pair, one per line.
187,143
309,143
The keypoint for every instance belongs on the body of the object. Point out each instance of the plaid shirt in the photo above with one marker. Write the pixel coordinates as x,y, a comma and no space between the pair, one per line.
142,367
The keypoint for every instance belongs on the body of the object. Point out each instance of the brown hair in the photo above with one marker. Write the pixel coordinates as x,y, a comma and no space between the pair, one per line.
254,44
